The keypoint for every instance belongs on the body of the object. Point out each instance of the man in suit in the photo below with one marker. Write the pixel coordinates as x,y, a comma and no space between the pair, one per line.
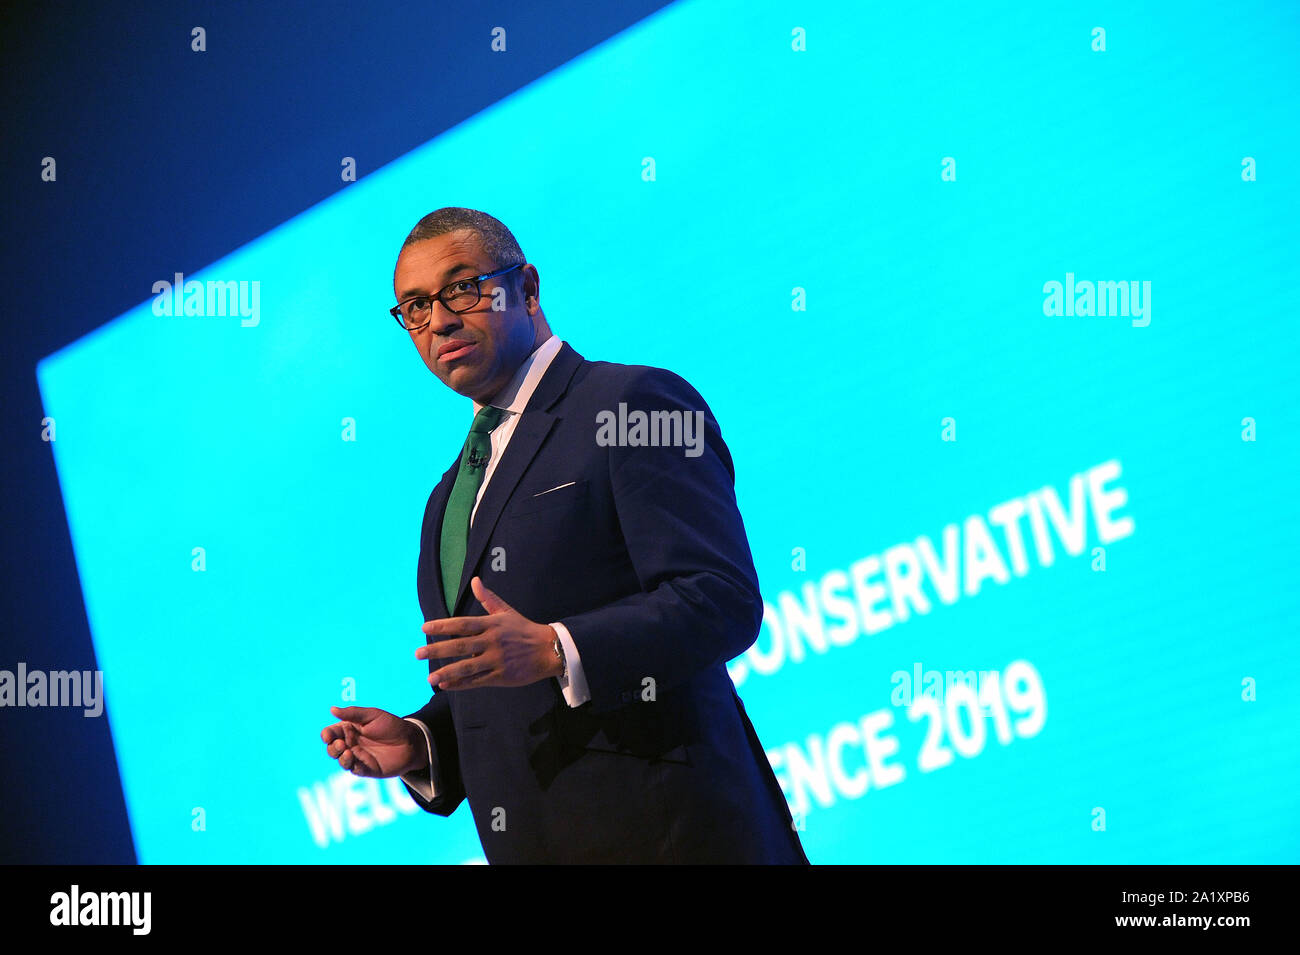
585,576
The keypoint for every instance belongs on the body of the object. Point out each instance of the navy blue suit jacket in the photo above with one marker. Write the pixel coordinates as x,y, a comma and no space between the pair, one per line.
644,558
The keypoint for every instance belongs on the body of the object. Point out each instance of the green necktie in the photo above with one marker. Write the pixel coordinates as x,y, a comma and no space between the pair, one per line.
460,505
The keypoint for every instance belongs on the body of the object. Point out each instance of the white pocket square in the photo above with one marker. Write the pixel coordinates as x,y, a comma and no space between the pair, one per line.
556,488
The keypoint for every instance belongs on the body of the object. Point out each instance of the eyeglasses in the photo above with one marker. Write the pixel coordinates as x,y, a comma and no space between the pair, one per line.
459,296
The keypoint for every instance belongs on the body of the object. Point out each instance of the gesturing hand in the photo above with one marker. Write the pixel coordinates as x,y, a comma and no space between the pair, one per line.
371,742
504,647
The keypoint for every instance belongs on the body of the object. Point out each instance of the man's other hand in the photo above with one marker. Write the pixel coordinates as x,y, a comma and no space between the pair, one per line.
504,648
371,742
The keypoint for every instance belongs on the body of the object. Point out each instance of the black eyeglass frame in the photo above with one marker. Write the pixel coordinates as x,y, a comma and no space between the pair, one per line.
396,310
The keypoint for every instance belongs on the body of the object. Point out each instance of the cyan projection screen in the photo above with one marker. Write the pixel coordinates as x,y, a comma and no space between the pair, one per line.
999,332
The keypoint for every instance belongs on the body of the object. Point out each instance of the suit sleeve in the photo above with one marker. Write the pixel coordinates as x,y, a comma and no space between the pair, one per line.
699,604
448,789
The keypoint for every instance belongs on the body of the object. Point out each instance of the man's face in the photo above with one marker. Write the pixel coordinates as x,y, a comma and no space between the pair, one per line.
496,343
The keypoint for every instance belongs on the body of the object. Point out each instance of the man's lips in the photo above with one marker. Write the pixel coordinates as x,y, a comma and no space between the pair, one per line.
453,350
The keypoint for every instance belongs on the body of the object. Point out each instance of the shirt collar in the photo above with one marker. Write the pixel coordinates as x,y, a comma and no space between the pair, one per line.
519,389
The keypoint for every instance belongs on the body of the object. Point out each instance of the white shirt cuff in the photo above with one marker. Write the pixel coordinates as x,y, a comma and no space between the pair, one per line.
574,682
421,782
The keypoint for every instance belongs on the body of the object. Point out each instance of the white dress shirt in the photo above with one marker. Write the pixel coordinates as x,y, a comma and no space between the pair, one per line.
512,399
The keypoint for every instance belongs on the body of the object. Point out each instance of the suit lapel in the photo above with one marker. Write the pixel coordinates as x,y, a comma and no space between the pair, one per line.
433,572
531,429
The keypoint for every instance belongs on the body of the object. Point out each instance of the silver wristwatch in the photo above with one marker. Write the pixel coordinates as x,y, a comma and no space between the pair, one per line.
559,652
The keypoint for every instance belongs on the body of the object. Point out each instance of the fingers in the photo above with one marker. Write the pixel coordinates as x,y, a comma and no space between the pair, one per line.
462,647
346,732
341,741
361,715
340,738
476,671
354,763
455,626
490,601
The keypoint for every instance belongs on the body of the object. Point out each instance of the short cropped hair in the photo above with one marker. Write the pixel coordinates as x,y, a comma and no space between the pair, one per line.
497,241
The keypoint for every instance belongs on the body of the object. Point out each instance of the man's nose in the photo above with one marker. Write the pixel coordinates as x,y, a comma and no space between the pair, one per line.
442,320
